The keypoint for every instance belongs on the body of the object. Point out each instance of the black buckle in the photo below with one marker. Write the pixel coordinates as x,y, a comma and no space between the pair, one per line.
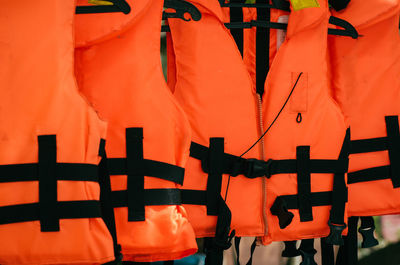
335,234
308,257
258,168
369,239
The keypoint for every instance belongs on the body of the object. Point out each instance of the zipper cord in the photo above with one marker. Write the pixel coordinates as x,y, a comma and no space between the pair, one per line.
266,131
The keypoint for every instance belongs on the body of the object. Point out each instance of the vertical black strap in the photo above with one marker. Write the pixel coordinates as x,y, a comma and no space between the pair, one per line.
393,134
236,15
327,253
290,250
307,252
252,249
304,183
339,190
134,160
214,247
262,47
237,246
105,200
214,181
347,254
49,221
339,4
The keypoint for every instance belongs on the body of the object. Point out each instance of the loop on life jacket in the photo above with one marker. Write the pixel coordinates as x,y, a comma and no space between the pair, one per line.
367,230
48,211
252,249
307,252
136,168
391,143
215,246
290,250
304,200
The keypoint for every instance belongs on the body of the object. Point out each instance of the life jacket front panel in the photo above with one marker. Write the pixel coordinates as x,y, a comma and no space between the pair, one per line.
215,90
310,127
50,211
148,136
365,83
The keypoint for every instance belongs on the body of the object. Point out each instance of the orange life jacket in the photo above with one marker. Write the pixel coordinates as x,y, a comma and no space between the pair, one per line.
309,137
50,211
305,146
119,70
365,79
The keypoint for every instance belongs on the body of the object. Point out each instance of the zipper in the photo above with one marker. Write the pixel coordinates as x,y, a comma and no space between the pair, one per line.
264,182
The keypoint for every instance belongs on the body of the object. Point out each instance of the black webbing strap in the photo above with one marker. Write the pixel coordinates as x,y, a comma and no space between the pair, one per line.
136,167
151,197
215,246
49,221
339,198
106,204
290,250
305,199
216,162
262,47
252,249
214,180
390,143
47,172
339,4
393,134
236,15
231,164
307,252
304,183
347,254
327,253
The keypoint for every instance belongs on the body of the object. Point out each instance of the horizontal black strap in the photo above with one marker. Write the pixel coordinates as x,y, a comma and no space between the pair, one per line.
368,145
64,171
152,197
151,168
317,199
287,166
65,210
369,174
231,164
195,197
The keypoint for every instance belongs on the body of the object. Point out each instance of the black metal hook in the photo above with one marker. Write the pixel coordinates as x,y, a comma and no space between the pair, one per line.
181,7
117,6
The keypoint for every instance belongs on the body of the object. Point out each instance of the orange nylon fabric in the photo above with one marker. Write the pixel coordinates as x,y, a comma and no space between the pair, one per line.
39,97
365,79
322,127
215,90
122,77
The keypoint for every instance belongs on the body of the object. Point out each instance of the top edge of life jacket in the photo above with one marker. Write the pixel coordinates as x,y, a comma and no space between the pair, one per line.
50,209
148,135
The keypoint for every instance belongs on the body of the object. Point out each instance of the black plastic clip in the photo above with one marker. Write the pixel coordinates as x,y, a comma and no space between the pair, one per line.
335,234
308,257
369,239
258,168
